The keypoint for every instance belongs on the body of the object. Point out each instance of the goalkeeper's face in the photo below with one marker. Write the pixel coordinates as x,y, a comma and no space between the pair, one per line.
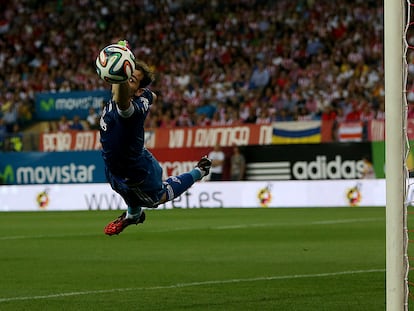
135,80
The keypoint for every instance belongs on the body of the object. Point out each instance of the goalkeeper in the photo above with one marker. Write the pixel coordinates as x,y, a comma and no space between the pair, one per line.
130,168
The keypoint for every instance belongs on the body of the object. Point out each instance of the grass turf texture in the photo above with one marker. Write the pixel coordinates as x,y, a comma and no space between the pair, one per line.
195,259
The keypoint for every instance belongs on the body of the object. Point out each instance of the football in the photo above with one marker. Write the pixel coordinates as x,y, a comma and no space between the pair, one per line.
115,64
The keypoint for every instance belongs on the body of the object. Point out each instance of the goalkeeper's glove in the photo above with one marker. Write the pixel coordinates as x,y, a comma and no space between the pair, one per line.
124,43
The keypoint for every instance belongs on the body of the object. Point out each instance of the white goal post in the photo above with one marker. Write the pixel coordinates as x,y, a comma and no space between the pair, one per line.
395,154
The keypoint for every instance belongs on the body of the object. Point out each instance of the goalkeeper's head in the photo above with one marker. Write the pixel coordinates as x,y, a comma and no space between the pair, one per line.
148,74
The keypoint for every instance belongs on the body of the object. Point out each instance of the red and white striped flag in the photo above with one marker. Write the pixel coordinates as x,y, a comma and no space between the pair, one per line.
350,131
376,130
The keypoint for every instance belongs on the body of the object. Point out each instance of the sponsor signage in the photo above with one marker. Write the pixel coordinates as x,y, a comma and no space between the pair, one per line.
285,133
282,194
81,166
51,106
69,167
71,140
307,161
271,162
199,137
75,140
51,167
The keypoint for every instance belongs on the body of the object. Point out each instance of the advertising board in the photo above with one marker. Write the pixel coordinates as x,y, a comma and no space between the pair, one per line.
281,194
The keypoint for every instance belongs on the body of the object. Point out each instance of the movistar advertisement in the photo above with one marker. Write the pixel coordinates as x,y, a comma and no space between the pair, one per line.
51,106
51,168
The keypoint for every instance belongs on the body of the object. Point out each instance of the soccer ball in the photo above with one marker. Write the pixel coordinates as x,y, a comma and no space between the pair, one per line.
115,64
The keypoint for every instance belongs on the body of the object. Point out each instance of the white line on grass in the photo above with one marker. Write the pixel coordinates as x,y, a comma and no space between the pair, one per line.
41,236
344,221
191,284
230,227
323,222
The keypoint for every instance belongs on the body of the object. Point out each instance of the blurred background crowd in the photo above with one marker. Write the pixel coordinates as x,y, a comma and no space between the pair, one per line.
217,62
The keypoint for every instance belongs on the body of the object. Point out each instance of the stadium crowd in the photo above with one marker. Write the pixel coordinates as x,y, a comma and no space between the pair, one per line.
217,62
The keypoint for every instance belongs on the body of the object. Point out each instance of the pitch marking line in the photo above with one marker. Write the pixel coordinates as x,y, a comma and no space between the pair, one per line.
344,221
191,284
41,236
230,227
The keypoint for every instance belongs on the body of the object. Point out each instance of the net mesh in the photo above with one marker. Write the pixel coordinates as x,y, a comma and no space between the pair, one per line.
408,83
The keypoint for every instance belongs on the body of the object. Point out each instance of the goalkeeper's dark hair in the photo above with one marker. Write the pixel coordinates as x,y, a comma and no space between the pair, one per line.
149,75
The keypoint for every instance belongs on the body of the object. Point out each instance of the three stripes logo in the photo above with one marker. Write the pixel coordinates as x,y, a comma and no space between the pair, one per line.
269,171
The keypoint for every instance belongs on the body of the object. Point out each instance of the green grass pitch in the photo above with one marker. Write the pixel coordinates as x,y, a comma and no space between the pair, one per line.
195,259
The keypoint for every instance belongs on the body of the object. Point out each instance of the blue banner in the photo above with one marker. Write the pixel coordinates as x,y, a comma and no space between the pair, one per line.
51,106
70,167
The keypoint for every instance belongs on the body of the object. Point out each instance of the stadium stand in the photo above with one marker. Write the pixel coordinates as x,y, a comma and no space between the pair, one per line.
217,62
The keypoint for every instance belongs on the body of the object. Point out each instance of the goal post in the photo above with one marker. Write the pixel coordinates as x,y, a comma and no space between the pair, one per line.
394,53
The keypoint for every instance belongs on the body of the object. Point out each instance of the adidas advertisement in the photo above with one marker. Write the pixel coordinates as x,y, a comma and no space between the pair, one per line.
307,161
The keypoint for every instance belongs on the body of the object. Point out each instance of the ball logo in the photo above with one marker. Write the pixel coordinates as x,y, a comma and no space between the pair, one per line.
265,196
353,195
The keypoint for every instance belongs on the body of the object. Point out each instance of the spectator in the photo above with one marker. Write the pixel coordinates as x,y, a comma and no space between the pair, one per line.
217,158
217,120
76,124
283,115
50,127
3,134
340,117
167,120
304,114
206,109
354,115
367,113
202,120
219,54
10,116
252,116
264,117
92,119
380,113
237,165
329,113
63,124
15,139
260,76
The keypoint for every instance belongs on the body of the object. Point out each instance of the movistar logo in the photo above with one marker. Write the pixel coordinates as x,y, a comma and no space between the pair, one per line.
47,105
63,174
7,177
